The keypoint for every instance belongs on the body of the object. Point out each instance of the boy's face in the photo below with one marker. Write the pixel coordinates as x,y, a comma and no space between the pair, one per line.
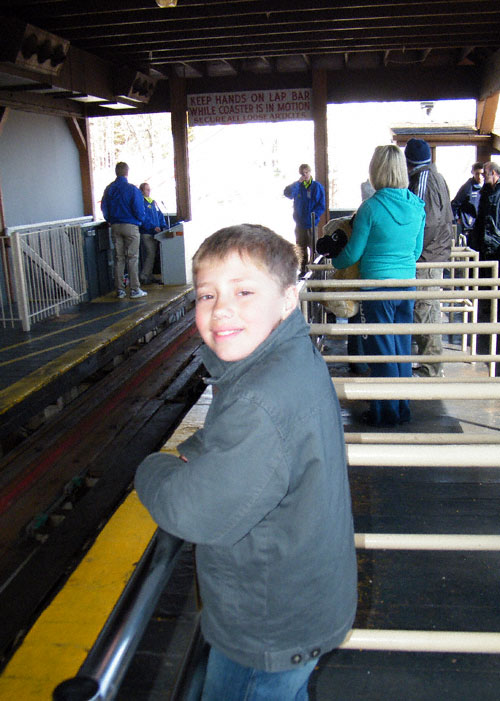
238,304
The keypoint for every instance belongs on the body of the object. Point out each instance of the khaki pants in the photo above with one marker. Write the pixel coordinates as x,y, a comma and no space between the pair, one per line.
427,311
303,239
150,246
126,240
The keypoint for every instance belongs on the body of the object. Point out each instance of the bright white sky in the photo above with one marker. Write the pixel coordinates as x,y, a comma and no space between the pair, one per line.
238,172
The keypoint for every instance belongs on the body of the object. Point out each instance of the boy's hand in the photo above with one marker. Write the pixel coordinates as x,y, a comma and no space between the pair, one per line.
183,458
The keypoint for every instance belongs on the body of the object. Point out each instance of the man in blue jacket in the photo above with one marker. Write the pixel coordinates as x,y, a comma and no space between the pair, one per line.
123,207
308,198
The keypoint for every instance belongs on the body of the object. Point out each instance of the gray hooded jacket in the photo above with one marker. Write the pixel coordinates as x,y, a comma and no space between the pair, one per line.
265,495
430,186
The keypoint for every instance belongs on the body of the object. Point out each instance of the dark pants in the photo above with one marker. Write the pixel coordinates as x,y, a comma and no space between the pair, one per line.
304,241
389,311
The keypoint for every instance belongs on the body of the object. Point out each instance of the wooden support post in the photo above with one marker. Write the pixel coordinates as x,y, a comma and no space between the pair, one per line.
178,101
79,131
319,105
486,112
483,152
4,113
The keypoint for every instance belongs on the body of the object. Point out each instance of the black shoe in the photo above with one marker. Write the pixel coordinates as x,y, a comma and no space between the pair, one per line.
368,418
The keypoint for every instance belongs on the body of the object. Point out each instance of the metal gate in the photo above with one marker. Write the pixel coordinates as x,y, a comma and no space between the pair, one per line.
48,272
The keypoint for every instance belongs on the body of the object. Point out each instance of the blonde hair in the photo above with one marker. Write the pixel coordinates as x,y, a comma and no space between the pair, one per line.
388,167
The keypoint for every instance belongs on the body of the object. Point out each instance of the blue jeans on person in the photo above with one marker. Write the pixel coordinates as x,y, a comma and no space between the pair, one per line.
355,347
226,680
388,311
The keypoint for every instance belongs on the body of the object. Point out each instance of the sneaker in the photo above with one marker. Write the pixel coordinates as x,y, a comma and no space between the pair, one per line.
135,294
121,294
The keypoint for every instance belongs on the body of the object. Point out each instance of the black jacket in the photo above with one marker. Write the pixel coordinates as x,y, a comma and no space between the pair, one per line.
487,225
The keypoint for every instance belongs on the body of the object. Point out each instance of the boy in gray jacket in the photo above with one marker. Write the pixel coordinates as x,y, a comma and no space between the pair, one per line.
262,489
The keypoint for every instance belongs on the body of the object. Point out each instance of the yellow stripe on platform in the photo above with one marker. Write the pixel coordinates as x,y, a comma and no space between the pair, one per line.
85,348
59,641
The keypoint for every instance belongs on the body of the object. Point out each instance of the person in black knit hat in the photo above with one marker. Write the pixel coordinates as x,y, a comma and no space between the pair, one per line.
429,185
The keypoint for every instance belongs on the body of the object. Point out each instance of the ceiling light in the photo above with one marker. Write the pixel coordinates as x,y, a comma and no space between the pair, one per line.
166,3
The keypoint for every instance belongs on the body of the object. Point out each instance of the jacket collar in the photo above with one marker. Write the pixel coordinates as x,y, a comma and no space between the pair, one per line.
223,371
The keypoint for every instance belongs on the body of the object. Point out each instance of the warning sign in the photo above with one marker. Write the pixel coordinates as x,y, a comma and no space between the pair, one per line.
249,106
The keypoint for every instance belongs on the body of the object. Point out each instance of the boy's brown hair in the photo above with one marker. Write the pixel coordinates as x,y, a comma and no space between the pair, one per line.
264,247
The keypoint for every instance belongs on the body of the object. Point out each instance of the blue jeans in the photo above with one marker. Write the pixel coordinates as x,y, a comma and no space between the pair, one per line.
389,311
226,680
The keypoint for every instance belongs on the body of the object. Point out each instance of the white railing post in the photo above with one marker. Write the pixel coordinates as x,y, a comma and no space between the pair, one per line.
20,281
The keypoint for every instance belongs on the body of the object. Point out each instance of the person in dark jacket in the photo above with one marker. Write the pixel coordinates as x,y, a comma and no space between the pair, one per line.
153,223
466,202
430,186
487,225
122,206
263,490
308,199
487,240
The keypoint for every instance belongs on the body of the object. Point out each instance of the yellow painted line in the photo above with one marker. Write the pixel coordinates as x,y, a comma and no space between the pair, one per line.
44,350
18,391
64,330
57,644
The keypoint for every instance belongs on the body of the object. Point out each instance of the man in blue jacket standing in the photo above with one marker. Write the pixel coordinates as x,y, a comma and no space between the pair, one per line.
308,198
123,207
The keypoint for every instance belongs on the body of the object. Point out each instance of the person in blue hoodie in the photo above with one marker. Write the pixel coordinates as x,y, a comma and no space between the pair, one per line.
122,206
387,240
153,223
308,197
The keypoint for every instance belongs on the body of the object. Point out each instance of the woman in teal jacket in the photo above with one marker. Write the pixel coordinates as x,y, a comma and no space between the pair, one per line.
387,240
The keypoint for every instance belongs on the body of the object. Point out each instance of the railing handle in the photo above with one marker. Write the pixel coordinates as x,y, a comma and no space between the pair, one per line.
101,673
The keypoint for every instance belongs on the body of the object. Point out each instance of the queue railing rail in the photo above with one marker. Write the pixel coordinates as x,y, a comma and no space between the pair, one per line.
451,289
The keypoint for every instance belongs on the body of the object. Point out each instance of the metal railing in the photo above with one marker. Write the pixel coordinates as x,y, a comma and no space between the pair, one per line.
8,306
43,273
461,295
99,677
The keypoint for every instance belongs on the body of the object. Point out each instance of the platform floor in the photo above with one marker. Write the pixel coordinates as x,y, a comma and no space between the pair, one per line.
72,344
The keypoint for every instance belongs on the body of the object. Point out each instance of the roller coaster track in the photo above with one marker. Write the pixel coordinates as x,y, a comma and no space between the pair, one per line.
59,487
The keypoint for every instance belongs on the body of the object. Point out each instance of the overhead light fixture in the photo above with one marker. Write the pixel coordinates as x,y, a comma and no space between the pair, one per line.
166,3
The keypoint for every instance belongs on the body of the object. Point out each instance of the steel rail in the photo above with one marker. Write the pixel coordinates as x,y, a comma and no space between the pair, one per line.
100,675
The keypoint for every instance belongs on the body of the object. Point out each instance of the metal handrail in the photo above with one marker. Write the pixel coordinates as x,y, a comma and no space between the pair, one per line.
99,677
